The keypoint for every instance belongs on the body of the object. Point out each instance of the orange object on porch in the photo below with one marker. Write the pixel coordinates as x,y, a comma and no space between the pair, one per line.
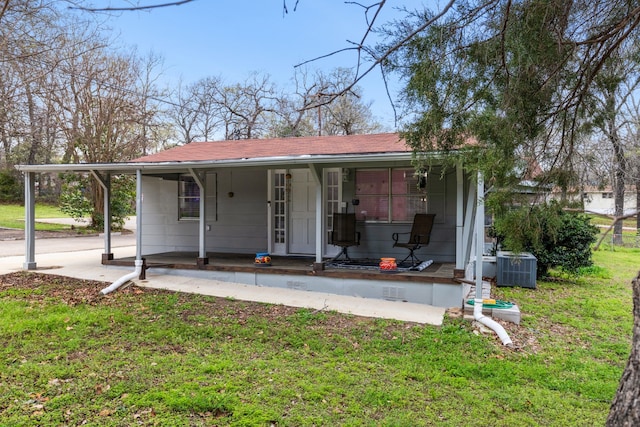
388,264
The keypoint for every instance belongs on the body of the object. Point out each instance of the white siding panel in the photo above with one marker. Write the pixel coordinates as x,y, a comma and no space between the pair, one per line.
240,224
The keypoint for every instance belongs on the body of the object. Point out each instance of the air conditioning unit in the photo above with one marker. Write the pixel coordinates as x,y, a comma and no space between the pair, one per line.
516,269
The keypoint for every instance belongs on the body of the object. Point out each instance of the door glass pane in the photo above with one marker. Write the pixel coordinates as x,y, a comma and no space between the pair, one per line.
279,207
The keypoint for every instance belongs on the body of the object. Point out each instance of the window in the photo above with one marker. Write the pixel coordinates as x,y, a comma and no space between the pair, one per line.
607,195
389,195
332,179
279,207
188,198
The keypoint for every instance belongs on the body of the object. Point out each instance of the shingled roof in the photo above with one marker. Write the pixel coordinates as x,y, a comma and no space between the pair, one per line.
281,147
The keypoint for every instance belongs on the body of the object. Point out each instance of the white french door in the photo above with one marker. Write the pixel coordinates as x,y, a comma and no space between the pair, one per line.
302,213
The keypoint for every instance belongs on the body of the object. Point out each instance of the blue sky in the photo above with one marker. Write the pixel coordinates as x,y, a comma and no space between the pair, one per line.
234,38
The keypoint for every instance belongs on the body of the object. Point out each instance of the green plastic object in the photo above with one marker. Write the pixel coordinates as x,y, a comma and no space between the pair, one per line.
498,304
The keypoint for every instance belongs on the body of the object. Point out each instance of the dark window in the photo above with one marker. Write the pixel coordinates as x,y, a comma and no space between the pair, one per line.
188,198
390,195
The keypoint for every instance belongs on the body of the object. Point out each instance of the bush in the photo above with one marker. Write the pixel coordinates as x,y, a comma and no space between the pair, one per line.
76,200
10,190
555,237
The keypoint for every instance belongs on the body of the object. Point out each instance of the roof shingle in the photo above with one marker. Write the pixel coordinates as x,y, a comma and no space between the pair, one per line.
281,147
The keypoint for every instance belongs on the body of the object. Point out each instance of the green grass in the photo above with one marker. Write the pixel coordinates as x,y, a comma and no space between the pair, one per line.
12,216
146,357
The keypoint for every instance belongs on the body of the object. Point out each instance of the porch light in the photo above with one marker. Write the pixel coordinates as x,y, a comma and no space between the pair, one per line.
346,173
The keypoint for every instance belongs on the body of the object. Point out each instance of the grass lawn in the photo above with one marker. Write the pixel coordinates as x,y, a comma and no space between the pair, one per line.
148,357
12,216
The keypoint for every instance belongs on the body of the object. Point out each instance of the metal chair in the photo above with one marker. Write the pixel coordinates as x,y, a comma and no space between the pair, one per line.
418,236
344,233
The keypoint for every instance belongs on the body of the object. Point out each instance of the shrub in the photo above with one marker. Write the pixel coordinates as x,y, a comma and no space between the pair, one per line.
10,190
557,238
76,200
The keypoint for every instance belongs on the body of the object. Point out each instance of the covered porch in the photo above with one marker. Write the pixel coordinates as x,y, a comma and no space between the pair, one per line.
204,210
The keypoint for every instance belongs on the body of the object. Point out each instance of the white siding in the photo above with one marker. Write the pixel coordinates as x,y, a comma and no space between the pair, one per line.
237,223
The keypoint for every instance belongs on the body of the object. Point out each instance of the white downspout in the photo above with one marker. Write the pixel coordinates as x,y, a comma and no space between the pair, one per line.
124,279
138,263
477,305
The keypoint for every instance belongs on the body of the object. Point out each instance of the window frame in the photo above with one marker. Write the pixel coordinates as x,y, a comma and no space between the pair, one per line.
414,193
193,198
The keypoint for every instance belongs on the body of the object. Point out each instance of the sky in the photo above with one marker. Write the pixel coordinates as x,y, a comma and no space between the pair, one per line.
231,39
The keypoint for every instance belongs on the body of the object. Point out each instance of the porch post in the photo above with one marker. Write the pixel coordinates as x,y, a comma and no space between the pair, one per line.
202,186
139,199
30,221
459,217
468,224
479,235
105,183
317,177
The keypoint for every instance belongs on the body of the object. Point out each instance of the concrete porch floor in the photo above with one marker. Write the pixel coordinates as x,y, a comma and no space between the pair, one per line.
443,272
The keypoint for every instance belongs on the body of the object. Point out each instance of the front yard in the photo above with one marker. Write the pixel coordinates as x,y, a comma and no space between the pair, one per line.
148,357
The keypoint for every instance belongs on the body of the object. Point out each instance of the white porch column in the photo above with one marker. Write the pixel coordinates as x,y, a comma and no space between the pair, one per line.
460,261
317,177
479,235
467,238
139,200
30,221
199,178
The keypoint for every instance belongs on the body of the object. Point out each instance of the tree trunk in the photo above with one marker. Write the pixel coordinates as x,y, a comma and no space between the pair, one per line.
620,164
638,206
625,409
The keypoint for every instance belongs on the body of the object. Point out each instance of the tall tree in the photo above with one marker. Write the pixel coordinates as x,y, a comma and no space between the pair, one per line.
612,114
347,114
516,76
101,111
246,107
312,110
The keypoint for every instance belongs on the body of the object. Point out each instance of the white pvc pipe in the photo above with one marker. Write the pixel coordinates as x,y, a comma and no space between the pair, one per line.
124,279
490,323
477,306
138,262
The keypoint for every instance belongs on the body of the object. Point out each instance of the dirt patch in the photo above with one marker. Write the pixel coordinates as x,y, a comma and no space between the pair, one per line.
77,291
74,291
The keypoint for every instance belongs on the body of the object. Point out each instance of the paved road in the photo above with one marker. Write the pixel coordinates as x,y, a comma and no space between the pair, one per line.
69,244
65,244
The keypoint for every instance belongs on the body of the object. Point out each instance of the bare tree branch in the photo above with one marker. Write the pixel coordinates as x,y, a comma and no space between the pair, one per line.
129,8
5,6
615,220
360,47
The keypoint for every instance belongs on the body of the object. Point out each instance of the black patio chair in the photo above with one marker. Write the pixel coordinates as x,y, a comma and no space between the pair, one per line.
344,233
418,236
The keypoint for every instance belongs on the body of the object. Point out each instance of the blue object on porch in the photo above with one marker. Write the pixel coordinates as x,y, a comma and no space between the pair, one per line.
263,259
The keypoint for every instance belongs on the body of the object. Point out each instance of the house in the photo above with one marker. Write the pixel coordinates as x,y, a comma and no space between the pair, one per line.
599,199
207,208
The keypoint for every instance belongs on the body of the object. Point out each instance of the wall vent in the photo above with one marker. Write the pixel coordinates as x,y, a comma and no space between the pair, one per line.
297,285
394,293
